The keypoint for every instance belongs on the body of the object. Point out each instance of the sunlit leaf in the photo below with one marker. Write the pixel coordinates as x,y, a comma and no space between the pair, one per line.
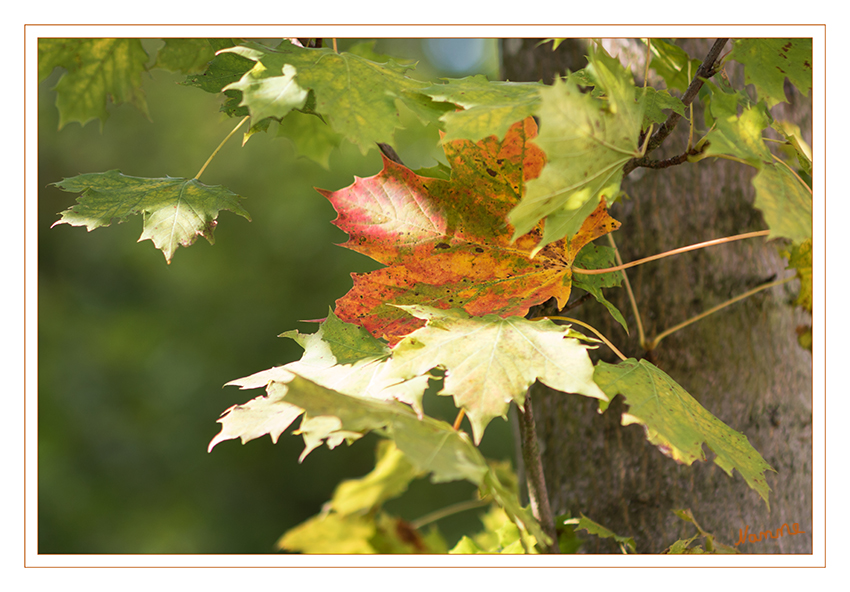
446,243
490,361
489,108
356,96
587,141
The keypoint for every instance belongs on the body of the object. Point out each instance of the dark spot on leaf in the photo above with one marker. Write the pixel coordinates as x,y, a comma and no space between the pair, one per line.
442,246
491,172
479,250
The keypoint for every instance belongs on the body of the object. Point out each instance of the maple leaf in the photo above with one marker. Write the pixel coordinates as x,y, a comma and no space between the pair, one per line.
175,210
490,361
489,107
431,445
676,423
759,57
446,243
338,356
356,96
800,259
189,56
587,141
785,202
673,64
781,195
95,69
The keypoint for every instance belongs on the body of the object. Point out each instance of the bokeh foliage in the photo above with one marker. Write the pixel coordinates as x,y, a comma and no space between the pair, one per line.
133,353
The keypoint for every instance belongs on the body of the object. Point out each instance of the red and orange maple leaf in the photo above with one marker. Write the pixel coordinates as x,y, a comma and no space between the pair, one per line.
447,244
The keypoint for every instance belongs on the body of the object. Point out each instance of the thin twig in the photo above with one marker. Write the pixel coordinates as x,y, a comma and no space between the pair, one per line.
705,71
672,161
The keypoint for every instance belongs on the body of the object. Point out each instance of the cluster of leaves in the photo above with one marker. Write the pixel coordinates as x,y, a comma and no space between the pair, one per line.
468,251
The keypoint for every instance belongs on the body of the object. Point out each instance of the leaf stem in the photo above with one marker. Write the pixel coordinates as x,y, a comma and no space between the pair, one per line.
448,511
653,343
631,294
711,243
203,168
595,332
458,419
793,172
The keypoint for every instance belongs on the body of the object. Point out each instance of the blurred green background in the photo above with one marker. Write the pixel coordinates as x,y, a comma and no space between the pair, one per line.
133,353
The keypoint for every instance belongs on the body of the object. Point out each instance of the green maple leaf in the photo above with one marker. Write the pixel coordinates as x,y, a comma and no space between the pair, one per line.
587,141
390,478
446,243
356,96
655,102
490,361
224,69
767,62
800,259
372,401
734,135
175,210
627,544
784,199
432,446
595,257
676,423
95,69
673,64
311,137
189,56
500,535
489,108
331,533
785,202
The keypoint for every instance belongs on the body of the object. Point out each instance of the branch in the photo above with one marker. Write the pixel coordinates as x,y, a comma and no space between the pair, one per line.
706,70
667,162
537,493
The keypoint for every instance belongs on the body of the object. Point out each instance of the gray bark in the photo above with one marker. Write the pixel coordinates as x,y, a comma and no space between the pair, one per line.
743,364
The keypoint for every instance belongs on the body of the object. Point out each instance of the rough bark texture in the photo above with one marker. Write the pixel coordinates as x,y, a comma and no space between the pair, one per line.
743,364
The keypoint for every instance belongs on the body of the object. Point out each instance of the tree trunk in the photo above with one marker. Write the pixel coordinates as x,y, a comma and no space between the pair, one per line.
743,364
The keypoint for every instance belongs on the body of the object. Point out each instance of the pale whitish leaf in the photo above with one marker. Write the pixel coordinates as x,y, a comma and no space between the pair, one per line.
340,356
491,361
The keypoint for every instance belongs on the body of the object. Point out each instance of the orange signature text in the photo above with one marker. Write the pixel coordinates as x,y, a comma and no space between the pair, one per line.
755,538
